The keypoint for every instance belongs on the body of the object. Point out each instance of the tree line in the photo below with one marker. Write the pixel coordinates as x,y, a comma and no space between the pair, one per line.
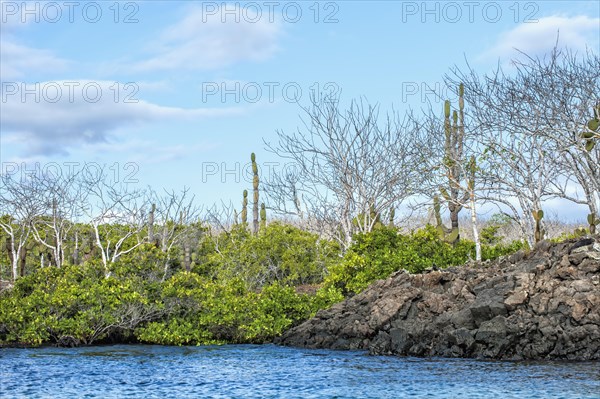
514,138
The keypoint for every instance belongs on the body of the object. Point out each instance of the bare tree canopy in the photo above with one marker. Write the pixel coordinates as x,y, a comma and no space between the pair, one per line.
117,215
345,168
18,208
529,120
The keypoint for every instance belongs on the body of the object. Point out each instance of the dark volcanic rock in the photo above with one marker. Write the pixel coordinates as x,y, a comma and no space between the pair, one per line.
541,305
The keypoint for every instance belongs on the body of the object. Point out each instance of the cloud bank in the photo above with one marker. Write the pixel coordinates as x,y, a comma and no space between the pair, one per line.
577,33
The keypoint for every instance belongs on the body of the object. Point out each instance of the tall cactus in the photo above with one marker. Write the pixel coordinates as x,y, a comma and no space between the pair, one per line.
187,256
539,232
593,221
151,224
263,216
590,137
593,133
76,250
439,226
374,216
454,194
255,187
245,209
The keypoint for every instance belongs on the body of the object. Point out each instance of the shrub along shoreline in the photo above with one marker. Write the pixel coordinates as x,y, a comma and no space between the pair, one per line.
243,288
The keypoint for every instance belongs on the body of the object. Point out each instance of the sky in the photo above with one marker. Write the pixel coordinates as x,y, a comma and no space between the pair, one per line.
174,94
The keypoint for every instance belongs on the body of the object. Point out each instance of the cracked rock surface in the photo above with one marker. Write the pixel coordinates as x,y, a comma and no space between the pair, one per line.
541,305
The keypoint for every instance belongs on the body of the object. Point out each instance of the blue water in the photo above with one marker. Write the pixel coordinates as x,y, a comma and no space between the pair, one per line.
268,371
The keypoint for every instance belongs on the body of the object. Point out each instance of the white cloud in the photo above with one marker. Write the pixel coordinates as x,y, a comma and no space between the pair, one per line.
539,37
136,150
155,86
86,112
17,60
204,42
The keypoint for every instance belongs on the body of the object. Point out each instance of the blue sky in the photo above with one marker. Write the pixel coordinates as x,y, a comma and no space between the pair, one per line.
178,93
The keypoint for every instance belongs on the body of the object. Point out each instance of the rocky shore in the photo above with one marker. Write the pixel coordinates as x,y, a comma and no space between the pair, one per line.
540,305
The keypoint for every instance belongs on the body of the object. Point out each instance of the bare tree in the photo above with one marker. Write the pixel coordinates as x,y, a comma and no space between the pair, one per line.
284,195
18,208
220,217
176,214
116,213
348,168
567,93
59,198
519,156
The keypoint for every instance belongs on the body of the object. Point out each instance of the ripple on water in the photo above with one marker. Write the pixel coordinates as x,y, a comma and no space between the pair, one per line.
268,371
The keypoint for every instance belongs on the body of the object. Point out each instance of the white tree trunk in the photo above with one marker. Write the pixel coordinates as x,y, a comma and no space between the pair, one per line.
475,230
15,263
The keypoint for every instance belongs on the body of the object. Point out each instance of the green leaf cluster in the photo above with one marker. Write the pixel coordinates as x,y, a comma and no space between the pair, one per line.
380,253
279,253
209,312
73,305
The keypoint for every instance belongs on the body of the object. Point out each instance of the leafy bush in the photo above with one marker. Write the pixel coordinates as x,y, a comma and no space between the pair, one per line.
489,234
79,305
274,310
378,254
207,312
279,253
568,235
72,305
489,252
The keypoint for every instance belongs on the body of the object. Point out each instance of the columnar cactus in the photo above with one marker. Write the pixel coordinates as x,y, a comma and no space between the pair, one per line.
447,126
438,218
187,256
539,232
194,260
593,133
444,234
76,250
263,216
245,208
374,217
471,170
151,224
255,187
593,221
455,196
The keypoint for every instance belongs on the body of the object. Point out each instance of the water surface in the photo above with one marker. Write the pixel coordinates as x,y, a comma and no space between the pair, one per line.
268,371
